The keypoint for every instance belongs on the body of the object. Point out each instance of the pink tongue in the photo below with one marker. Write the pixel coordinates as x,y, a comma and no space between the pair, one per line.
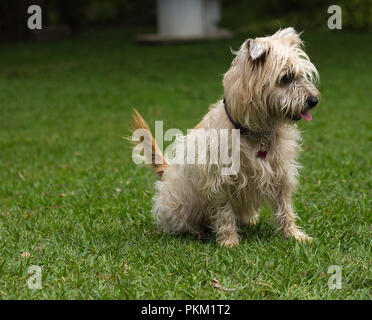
306,115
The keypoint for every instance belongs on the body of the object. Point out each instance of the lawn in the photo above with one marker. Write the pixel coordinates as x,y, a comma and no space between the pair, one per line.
73,202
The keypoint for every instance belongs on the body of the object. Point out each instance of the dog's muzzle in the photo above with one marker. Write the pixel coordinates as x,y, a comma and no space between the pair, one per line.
311,102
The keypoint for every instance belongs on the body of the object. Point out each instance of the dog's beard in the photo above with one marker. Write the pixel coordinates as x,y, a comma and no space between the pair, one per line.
293,109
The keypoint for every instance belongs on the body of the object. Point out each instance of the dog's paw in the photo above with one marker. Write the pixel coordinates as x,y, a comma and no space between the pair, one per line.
253,222
229,242
249,220
301,236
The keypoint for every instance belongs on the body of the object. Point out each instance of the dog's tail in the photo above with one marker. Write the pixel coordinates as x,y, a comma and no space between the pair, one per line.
156,158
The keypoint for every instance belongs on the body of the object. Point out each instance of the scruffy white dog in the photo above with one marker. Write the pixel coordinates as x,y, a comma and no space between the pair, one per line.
269,86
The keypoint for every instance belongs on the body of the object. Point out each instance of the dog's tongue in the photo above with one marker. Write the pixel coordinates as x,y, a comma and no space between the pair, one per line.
306,115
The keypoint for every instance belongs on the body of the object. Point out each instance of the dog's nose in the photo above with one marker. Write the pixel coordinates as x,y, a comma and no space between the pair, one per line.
312,101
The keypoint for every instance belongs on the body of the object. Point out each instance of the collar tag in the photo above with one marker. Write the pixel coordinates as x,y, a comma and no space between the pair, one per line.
261,154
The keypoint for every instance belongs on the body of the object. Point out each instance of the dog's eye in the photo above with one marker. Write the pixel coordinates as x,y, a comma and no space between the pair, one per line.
287,78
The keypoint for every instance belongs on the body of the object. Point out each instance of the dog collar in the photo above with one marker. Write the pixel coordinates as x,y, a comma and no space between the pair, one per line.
255,135
261,136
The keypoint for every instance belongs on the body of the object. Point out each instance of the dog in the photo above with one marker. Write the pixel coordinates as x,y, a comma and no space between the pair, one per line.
270,85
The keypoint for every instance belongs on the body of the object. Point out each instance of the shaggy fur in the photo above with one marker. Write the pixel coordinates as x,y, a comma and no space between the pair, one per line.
266,88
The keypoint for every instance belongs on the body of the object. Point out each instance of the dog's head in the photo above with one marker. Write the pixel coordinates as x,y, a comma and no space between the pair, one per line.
271,79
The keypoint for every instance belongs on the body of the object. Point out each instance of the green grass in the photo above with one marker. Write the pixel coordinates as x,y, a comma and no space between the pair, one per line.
72,198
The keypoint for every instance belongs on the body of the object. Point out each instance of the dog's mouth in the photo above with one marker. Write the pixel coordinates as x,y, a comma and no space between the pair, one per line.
306,115
303,115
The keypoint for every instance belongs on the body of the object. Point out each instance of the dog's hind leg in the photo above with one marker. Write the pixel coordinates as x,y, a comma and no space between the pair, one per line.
176,211
225,226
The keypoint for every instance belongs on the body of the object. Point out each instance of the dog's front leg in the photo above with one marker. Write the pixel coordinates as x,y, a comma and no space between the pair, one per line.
287,218
225,226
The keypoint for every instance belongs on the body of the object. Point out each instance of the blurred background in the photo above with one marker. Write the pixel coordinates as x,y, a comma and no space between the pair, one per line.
71,17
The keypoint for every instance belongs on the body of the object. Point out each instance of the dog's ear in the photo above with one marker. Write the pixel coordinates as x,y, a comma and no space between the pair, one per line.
257,48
